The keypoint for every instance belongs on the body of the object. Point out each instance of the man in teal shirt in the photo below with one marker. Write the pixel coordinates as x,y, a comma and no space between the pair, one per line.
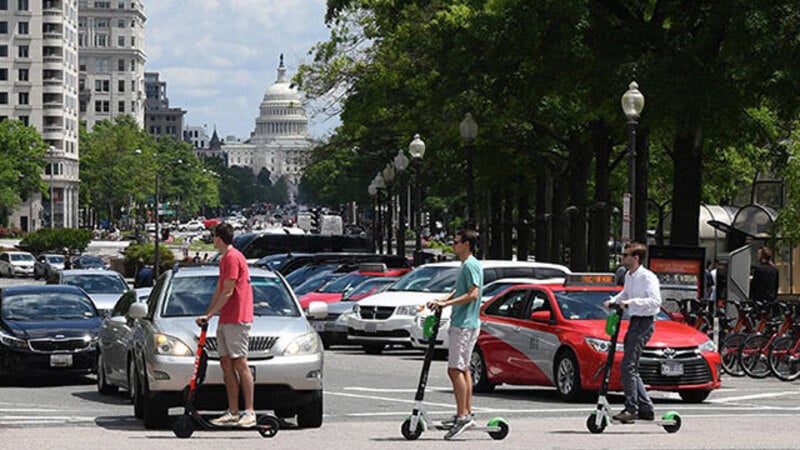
465,326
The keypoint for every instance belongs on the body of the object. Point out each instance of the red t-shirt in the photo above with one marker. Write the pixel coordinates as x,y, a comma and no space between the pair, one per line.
239,307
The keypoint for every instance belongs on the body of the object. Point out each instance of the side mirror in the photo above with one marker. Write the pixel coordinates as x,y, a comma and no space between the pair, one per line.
541,316
317,310
137,311
118,319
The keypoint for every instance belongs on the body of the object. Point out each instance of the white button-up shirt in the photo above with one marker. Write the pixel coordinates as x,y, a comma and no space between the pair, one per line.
641,294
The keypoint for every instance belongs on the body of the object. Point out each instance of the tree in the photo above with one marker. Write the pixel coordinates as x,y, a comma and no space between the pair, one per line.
21,165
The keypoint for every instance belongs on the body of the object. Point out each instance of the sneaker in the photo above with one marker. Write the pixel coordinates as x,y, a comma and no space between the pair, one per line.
625,416
461,425
647,415
452,420
228,418
247,419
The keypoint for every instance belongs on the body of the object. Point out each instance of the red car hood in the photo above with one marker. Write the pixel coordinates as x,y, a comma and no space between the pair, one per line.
667,333
326,297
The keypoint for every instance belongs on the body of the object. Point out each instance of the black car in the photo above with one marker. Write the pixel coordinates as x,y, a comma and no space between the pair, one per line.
47,329
89,262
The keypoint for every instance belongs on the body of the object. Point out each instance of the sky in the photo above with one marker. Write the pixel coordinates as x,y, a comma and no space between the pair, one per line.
218,57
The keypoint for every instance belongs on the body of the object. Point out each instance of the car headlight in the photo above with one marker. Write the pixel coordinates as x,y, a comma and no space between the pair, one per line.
707,346
306,344
168,345
12,342
342,319
357,311
409,310
602,345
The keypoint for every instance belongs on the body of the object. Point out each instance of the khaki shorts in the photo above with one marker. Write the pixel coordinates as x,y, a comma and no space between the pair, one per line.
232,339
462,341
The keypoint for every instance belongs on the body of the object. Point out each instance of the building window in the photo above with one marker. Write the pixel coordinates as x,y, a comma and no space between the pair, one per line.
25,120
121,5
22,74
3,50
22,51
101,40
23,98
133,65
120,65
4,27
82,107
101,23
120,41
101,106
22,27
3,5
121,106
120,23
82,40
3,98
101,85
3,74
133,41
22,5
121,86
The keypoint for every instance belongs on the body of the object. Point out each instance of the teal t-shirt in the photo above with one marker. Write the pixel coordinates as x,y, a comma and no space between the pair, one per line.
466,315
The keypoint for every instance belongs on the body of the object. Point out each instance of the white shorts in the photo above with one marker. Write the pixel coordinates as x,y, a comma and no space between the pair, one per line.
462,341
232,339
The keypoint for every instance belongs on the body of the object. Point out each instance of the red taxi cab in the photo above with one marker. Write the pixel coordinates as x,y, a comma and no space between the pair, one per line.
554,335
333,291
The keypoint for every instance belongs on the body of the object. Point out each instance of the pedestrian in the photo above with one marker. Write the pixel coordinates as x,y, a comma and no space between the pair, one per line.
67,262
196,258
641,296
708,281
464,328
764,283
713,294
233,299
205,257
144,278
185,247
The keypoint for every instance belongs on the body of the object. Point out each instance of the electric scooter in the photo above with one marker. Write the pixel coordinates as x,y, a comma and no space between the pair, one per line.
601,417
191,419
419,419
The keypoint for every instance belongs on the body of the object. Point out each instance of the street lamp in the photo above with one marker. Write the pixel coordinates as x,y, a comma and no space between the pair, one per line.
51,152
469,131
632,106
417,150
400,165
373,192
388,176
379,184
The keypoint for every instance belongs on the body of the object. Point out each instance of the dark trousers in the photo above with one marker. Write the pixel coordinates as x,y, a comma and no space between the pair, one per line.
640,329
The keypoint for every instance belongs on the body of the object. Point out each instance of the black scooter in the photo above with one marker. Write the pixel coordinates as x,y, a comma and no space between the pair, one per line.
191,419
601,417
419,419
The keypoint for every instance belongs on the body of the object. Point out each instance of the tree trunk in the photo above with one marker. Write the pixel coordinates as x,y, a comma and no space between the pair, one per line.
508,225
600,212
642,181
495,239
544,214
688,168
523,223
579,167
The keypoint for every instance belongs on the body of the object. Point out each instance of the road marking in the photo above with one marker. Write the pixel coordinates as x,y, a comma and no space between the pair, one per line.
387,399
427,388
753,396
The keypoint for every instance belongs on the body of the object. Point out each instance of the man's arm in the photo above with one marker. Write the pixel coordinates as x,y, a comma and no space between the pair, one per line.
470,296
221,296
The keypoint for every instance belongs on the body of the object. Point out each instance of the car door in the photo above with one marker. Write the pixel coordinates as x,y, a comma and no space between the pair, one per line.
501,343
540,332
116,335
5,264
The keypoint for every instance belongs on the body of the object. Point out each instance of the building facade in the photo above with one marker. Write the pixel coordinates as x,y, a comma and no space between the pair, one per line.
39,67
112,57
196,135
160,120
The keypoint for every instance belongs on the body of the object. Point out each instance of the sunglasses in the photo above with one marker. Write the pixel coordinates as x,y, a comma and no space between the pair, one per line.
625,255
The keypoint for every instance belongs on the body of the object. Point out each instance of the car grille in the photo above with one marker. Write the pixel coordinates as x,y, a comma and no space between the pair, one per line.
695,367
255,343
379,333
58,345
376,312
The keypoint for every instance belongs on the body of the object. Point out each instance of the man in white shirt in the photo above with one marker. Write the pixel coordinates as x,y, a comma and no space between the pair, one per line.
641,296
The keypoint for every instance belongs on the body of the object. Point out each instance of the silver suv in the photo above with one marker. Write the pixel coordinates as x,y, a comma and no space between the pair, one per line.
285,352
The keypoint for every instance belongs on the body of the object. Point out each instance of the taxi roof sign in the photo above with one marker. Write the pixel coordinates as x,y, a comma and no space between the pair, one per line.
590,279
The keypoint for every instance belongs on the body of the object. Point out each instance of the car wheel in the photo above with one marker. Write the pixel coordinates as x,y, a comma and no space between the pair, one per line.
477,369
694,395
310,415
373,349
135,389
102,383
156,413
568,377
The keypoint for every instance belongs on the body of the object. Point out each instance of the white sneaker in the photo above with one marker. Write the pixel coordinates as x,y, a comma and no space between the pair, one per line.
462,424
247,420
228,418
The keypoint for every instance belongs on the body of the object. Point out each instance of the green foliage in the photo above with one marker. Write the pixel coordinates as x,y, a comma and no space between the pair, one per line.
135,254
57,240
788,223
22,153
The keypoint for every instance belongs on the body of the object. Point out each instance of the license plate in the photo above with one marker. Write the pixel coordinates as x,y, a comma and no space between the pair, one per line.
671,369
319,326
371,327
60,360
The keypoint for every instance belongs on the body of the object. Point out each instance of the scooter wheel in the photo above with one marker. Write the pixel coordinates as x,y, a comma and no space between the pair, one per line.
502,432
268,426
591,424
183,426
408,433
672,416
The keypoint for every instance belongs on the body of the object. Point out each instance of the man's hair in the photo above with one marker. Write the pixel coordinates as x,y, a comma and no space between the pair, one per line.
470,236
638,249
224,231
765,254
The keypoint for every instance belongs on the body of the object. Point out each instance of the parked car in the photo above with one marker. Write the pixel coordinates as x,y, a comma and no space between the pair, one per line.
192,225
369,287
16,264
285,353
46,264
387,318
103,286
554,335
89,262
114,343
315,282
47,330
333,291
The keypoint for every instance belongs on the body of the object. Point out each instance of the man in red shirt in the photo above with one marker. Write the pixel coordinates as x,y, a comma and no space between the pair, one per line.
233,299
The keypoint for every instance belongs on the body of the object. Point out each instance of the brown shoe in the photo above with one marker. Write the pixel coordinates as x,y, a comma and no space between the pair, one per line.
625,416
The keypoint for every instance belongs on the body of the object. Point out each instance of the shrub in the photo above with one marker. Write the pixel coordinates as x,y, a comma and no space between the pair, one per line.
135,254
57,240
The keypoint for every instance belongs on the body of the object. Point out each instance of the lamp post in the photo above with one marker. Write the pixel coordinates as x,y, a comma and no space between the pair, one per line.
417,150
373,192
469,131
380,184
388,176
51,152
400,165
632,106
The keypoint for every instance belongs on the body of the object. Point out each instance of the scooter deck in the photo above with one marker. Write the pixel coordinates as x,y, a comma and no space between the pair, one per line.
475,428
659,422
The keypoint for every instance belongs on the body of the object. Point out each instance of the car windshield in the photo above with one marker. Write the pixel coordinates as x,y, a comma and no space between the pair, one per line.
190,296
302,274
495,288
314,283
427,279
91,261
343,283
370,285
588,305
99,283
39,306
21,257
56,259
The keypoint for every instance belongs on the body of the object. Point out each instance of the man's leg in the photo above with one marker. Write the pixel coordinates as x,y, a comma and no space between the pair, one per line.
458,378
645,404
231,383
245,381
629,367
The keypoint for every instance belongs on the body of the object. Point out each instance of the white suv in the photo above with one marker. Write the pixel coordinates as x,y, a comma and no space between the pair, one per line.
388,318
285,352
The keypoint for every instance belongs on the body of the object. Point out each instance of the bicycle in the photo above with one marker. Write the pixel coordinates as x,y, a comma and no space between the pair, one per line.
731,344
691,311
754,354
784,354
